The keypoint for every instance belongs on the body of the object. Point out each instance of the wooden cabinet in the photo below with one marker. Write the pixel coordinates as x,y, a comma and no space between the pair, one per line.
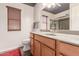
32,46
32,43
46,51
47,41
44,46
36,48
67,49
31,35
59,54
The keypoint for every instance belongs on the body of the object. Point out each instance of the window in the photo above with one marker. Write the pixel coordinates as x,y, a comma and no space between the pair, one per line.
60,24
64,24
14,19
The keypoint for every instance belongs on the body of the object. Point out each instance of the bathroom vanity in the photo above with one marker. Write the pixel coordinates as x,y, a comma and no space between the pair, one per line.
46,44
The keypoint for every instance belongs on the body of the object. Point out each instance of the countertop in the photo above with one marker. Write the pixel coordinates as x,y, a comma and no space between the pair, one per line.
68,38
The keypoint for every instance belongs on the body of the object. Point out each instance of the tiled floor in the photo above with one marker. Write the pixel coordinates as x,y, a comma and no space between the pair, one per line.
27,53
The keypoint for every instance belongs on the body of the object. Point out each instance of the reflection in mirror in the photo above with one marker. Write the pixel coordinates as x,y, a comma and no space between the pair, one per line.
60,24
57,17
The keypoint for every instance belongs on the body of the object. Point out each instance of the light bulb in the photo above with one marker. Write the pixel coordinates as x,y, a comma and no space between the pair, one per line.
51,4
48,5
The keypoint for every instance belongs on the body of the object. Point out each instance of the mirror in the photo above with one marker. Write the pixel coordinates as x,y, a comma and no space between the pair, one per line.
60,24
55,18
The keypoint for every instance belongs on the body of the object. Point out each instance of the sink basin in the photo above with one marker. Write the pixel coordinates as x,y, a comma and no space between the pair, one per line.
51,34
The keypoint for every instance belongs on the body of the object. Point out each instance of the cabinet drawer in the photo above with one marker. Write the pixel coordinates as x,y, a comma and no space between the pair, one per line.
46,51
67,49
47,41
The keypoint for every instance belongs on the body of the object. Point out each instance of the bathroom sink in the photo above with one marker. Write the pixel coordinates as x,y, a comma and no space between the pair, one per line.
51,34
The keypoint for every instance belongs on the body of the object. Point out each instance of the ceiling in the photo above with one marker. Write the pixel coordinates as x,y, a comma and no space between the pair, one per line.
30,4
63,7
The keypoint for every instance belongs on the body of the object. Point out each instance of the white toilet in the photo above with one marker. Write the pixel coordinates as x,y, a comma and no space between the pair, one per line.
26,45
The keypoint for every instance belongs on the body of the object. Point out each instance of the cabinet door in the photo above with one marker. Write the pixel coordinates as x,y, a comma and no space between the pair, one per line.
58,53
47,41
36,48
32,46
67,49
46,51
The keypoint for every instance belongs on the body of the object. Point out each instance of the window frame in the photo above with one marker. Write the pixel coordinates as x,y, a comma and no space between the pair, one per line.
8,20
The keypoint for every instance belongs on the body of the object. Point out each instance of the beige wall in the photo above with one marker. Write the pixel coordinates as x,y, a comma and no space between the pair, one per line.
13,39
74,16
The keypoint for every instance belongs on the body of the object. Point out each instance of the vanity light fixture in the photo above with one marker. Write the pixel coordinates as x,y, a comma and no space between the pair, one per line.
49,5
